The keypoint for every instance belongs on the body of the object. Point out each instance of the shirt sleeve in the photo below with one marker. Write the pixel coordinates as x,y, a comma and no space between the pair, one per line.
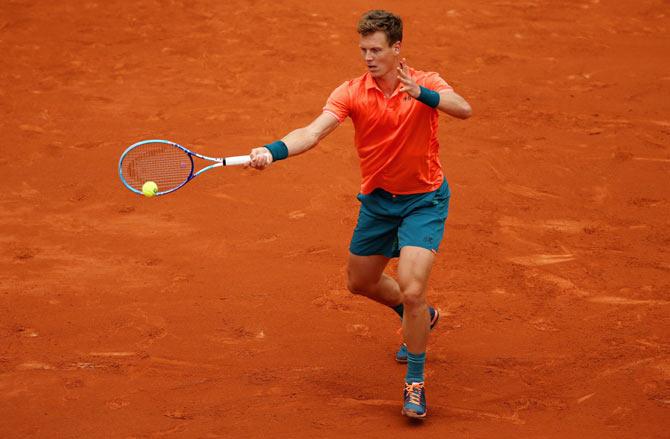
435,82
339,103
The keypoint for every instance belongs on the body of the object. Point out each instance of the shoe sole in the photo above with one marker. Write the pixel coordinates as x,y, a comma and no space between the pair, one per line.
432,326
413,415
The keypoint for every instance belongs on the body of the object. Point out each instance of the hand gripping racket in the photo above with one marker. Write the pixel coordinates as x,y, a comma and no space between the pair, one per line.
166,163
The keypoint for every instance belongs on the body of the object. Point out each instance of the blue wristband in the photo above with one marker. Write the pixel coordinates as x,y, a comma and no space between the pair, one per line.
429,97
278,149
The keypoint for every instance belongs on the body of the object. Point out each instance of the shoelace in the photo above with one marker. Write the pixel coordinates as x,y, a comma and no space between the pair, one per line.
414,391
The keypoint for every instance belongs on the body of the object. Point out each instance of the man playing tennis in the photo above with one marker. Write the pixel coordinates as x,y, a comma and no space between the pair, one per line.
404,194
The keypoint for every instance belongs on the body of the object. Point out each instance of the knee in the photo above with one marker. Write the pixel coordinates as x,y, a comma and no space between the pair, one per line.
413,297
355,286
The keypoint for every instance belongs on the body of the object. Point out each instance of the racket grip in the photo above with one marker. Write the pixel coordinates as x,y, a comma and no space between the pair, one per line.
237,160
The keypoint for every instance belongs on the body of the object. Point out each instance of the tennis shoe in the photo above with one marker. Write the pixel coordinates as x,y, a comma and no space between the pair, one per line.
414,401
401,355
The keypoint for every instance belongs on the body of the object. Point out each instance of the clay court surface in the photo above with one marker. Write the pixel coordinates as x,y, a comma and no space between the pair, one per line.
222,310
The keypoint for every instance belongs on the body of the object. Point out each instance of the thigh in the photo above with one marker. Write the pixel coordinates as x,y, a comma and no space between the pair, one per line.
414,268
424,225
365,270
375,234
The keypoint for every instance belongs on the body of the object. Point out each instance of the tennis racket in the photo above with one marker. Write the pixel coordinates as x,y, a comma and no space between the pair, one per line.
166,163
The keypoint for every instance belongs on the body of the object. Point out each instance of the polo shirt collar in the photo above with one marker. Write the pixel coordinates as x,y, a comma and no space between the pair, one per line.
370,82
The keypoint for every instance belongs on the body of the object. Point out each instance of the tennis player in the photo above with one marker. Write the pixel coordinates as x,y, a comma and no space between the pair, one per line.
404,194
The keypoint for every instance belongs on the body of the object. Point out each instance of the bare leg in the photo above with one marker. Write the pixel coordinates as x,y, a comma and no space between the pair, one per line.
366,277
413,273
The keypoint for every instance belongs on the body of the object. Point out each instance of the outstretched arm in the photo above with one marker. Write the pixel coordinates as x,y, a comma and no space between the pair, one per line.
297,141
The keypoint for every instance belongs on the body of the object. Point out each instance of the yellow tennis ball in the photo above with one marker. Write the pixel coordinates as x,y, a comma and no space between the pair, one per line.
149,188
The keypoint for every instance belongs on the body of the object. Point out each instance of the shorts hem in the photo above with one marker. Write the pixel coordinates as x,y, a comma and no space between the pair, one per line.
427,247
360,253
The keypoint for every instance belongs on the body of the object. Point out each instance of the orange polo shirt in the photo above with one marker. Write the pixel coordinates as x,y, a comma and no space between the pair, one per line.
396,137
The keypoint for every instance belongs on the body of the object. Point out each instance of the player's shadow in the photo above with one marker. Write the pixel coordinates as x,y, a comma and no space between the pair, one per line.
415,423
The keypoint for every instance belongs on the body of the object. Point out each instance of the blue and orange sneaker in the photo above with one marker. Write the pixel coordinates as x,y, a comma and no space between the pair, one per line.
414,397
401,355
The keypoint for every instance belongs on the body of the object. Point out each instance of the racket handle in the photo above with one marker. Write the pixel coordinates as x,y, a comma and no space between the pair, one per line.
237,160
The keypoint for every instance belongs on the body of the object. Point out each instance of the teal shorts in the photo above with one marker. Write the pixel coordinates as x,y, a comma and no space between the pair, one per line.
387,222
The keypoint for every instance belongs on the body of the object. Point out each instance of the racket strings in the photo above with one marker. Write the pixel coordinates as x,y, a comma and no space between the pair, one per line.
166,165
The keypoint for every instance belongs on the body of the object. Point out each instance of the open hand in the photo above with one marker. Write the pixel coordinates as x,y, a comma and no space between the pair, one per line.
408,85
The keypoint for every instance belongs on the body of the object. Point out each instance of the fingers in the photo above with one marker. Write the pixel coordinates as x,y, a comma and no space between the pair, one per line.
403,70
404,66
260,158
408,86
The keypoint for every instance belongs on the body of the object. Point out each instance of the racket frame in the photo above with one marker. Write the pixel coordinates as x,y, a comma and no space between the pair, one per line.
219,162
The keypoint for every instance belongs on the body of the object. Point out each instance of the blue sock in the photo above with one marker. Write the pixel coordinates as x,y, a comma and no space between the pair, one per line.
415,363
